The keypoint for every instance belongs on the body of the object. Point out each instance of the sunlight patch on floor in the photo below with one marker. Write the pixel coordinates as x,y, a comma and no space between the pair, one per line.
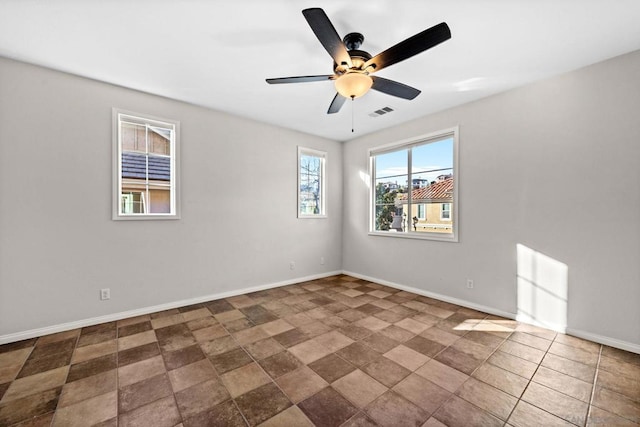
484,325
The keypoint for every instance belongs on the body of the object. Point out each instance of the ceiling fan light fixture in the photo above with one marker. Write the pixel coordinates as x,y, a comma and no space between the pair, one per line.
353,84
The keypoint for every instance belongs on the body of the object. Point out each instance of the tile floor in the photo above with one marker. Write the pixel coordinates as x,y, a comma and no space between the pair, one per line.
332,352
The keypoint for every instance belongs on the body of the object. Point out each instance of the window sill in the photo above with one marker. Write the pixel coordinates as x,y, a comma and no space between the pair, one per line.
416,236
147,217
312,216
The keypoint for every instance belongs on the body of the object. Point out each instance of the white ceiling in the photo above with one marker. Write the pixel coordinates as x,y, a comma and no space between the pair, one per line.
217,53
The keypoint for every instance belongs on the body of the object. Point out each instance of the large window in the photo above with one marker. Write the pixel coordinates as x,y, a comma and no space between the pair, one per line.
145,163
311,183
414,187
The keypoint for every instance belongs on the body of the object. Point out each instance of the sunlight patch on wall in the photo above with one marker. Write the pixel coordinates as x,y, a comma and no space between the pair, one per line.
366,178
543,289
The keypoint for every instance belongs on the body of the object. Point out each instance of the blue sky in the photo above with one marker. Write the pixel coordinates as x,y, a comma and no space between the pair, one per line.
427,159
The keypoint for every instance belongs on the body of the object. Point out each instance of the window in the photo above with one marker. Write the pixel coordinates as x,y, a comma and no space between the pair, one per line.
145,165
445,213
311,183
132,202
414,187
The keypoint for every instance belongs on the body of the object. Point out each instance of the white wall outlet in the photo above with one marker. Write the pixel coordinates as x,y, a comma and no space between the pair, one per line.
321,260
469,283
292,265
105,294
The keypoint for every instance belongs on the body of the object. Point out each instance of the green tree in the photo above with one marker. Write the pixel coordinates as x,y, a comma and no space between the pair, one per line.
385,207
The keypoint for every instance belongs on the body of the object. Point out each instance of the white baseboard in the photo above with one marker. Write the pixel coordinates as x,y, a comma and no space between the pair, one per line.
554,327
32,333
434,295
600,339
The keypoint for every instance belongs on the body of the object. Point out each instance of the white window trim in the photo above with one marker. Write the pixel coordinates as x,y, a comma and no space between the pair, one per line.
323,182
117,165
408,143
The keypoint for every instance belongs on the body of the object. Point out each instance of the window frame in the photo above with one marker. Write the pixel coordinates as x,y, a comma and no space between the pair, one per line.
322,155
174,185
408,144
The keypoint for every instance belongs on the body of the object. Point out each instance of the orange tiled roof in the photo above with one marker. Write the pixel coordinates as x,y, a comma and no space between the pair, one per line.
442,190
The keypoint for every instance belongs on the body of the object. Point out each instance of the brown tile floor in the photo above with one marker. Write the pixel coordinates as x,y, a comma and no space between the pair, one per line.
331,352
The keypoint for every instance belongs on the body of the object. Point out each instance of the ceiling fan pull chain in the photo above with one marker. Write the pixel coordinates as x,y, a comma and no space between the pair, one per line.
352,99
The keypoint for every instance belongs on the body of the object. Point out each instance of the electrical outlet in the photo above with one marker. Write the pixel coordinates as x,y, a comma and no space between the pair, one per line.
105,294
321,260
469,283
292,265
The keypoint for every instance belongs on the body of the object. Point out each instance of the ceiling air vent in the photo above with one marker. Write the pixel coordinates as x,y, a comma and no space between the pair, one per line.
381,111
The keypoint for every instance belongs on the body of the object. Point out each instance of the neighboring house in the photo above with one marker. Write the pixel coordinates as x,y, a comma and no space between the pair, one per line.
430,205
146,170
419,182
391,185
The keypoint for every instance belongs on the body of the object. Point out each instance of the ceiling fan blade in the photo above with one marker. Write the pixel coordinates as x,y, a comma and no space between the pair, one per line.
336,104
327,35
300,79
410,47
394,88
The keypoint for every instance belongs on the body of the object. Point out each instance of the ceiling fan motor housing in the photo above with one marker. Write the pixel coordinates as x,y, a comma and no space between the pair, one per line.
352,42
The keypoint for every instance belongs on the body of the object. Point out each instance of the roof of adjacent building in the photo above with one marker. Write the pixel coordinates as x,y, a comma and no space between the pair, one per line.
442,190
134,166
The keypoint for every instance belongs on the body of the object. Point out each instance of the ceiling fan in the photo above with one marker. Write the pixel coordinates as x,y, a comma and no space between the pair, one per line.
353,67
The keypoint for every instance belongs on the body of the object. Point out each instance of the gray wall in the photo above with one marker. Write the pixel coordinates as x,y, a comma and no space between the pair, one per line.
554,166
59,245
